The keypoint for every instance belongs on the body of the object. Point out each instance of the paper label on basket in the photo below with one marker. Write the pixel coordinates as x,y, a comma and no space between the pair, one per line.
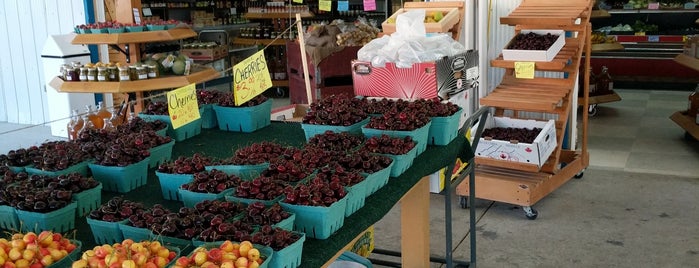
324,5
250,78
369,5
524,69
182,105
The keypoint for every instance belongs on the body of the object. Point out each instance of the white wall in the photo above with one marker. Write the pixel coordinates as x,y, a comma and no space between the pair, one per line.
24,27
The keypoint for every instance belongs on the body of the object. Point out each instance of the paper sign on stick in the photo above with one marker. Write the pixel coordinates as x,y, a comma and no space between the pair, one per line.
342,5
524,69
369,5
298,1
182,105
250,78
324,5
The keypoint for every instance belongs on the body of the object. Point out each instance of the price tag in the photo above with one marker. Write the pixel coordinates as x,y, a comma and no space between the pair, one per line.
342,5
369,5
324,5
182,105
655,5
298,1
524,69
136,16
653,38
250,78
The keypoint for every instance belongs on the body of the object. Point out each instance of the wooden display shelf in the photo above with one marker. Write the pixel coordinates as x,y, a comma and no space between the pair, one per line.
559,63
600,13
607,47
282,15
612,97
686,122
520,187
202,75
688,61
539,95
257,42
280,83
130,38
548,12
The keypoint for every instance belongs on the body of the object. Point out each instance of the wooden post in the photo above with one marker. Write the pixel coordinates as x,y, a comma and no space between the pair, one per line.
415,225
124,13
304,60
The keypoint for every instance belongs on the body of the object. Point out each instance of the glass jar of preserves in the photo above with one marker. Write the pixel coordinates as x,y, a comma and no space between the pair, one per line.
72,74
83,74
124,74
91,74
153,71
132,73
102,74
76,64
142,72
112,73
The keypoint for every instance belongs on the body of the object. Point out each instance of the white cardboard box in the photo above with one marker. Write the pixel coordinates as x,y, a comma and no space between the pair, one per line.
536,55
530,153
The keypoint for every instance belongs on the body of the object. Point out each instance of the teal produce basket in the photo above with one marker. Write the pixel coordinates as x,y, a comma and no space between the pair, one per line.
184,132
418,135
208,116
77,168
356,195
444,129
265,252
244,119
8,218
135,233
106,232
402,162
185,245
71,257
286,224
248,201
190,198
61,220
245,172
160,154
88,200
121,179
312,130
170,184
377,179
290,256
318,222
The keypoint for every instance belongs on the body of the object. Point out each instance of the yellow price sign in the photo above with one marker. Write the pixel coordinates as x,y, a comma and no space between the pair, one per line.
182,105
325,5
250,78
524,69
298,1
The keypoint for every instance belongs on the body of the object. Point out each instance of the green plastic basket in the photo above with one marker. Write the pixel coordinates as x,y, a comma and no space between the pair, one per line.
135,233
444,129
249,201
377,179
318,222
290,256
244,119
18,169
402,162
77,168
182,133
245,172
88,200
418,135
286,224
121,179
160,154
312,130
190,198
184,245
265,252
170,184
71,257
8,218
208,116
61,220
106,232
356,195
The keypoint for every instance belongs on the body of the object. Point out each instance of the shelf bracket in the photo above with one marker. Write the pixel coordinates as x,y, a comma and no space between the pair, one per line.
124,51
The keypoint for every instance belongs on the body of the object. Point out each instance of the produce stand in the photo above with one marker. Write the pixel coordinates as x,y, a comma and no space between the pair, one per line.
411,189
507,181
686,122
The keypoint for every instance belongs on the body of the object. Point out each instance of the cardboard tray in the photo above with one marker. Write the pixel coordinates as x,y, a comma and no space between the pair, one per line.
451,18
536,55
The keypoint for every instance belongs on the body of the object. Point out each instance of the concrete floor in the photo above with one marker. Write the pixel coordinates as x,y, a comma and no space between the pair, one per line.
636,206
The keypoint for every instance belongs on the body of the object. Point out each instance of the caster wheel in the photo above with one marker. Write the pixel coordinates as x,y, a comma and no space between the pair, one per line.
530,212
280,92
592,110
463,202
579,175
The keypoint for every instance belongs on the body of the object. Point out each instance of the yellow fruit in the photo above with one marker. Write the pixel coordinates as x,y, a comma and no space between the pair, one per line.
438,16
22,263
253,254
79,264
15,254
